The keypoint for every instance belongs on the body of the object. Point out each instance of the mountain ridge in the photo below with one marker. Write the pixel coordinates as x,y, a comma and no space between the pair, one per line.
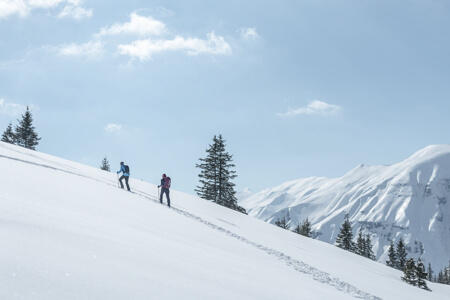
409,200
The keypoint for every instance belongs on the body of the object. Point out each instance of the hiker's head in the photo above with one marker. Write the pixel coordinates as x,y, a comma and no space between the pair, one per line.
164,175
121,163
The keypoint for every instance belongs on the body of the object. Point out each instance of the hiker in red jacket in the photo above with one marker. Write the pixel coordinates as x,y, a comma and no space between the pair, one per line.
165,186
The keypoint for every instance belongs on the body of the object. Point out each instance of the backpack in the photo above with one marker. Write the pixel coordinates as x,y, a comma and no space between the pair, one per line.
127,169
167,183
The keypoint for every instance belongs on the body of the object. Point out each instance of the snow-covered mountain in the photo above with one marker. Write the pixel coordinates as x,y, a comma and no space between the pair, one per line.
68,232
410,199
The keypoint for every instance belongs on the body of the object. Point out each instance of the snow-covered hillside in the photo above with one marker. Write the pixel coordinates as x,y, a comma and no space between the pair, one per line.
68,232
410,199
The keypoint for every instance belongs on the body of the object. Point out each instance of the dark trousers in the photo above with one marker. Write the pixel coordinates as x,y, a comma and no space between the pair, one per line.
126,181
165,191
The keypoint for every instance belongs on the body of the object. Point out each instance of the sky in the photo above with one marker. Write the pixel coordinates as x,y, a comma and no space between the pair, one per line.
296,88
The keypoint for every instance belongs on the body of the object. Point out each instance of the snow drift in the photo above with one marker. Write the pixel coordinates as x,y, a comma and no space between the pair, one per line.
68,232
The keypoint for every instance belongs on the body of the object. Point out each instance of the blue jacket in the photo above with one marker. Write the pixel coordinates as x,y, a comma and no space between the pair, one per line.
122,169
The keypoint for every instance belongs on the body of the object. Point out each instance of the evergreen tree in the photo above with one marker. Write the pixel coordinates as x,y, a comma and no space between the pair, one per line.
440,278
105,165
446,275
345,236
305,229
392,255
8,135
216,175
360,244
282,223
297,229
410,272
401,255
25,133
421,275
430,273
368,252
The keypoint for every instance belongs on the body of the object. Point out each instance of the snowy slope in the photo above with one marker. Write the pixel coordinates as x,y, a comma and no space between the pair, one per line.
410,199
68,232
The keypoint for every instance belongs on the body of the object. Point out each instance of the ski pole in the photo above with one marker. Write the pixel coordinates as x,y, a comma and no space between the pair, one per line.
158,193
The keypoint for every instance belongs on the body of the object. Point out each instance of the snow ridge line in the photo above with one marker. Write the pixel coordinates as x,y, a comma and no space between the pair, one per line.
299,266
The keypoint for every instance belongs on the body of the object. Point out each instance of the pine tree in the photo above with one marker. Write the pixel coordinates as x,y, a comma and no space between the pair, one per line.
345,236
410,272
216,175
282,223
401,255
446,275
421,275
105,165
8,135
368,252
297,229
392,255
440,278
25,133
360,245
430,273
305,229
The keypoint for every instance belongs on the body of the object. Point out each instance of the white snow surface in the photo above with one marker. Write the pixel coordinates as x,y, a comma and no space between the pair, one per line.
68,232
409,200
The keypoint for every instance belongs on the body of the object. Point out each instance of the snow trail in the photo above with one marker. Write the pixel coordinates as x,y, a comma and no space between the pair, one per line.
299,266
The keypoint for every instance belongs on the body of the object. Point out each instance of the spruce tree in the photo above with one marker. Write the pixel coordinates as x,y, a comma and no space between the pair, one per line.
8,135
345,236
282,223
392,255
401,255
430,273
25,133
440,278
297,229
216,175
360,245
305,229
421,275
410,272
446,275
368,252
105,165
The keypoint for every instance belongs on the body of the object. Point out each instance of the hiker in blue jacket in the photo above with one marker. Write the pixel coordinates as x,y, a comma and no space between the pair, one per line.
125,170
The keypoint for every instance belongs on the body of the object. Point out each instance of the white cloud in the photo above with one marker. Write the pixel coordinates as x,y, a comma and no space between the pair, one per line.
75,11
44,3
22,8
315,107
144,49
90,49
11,109
12,7
138,25
249,33
113,128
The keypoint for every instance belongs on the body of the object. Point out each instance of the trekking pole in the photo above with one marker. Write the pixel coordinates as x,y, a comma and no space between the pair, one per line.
158,194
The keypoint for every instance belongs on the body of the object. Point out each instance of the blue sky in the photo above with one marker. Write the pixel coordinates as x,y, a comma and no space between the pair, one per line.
297,88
